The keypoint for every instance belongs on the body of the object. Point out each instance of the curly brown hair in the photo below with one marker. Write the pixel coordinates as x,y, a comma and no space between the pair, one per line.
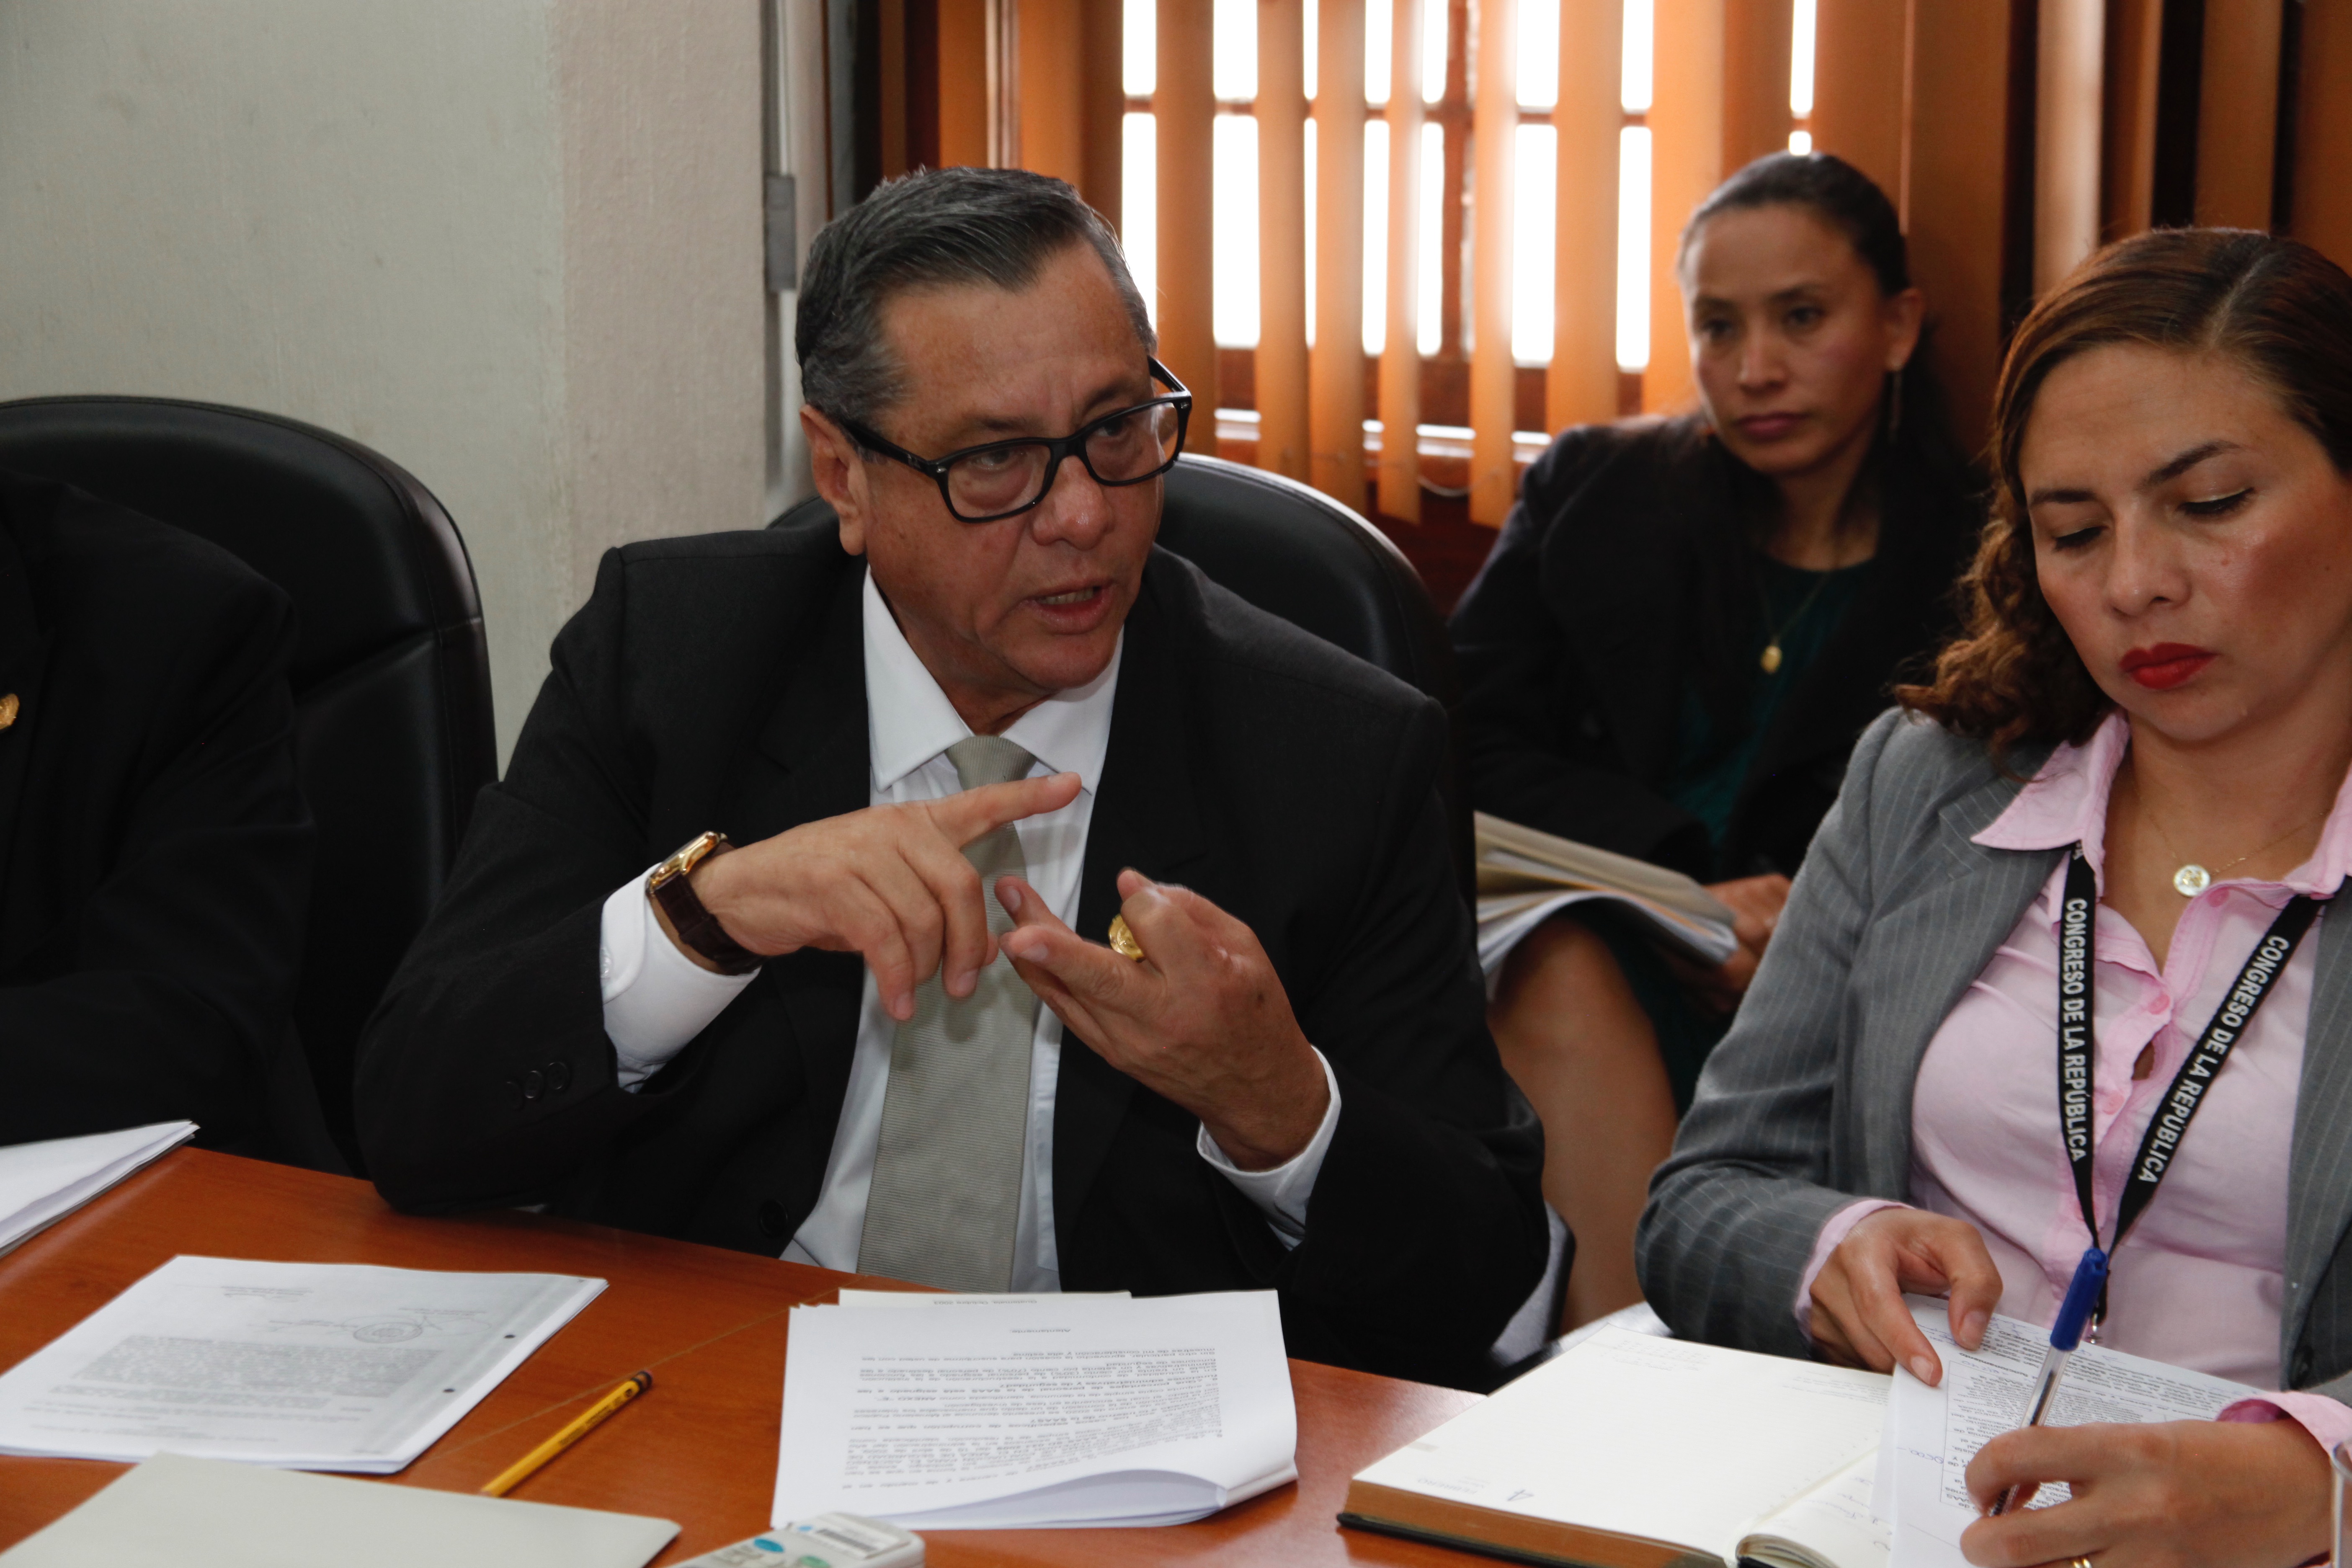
2278,309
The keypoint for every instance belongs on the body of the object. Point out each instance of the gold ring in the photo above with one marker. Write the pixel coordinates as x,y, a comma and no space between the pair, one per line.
1122,940
2079,1562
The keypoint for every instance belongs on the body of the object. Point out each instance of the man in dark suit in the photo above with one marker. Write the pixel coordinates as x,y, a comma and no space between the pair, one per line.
981,713
155,850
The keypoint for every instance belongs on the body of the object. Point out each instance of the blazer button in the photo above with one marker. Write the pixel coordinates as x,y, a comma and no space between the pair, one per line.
771,1218
2299,1370
513,1090
534,1084
559,1077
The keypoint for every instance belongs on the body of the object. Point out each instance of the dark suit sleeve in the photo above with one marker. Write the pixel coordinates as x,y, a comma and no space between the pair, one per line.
164,995
485,1075
1426,1227
1524,698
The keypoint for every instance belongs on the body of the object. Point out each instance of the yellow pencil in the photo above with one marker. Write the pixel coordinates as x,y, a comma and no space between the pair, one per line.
524,1468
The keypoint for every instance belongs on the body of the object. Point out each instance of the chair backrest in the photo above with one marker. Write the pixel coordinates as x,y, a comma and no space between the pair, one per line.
1294,552
390,676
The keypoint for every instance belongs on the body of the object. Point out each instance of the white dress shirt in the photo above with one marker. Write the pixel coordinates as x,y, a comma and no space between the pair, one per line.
657,999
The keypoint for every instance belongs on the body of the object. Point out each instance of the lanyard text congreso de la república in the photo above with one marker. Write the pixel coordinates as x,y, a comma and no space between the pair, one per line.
2173,1114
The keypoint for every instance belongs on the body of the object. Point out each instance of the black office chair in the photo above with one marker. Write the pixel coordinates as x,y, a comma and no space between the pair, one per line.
391,677
1294,552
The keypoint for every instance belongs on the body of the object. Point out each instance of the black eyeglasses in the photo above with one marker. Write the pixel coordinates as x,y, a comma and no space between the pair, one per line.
1005,479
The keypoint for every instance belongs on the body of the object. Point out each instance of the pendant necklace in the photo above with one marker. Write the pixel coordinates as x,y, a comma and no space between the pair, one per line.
1771,660
2192,878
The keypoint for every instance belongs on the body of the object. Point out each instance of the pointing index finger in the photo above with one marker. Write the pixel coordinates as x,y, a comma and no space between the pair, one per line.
977,812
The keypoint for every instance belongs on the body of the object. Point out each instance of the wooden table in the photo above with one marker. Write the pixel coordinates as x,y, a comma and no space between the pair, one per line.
709,1324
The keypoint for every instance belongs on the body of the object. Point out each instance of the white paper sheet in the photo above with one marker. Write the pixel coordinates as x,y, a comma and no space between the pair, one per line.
1056,1411
176,1513
1832,1523
1664,1439
302,1365
42,1183
1936,1431
1505,917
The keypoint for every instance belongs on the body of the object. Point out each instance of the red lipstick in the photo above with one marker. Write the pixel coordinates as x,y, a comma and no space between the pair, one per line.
2166,665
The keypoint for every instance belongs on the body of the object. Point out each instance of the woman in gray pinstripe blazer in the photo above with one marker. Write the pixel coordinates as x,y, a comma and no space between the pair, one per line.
2161,622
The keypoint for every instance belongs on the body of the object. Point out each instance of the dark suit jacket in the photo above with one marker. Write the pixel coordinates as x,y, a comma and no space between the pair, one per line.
154,850
1574,644
719,682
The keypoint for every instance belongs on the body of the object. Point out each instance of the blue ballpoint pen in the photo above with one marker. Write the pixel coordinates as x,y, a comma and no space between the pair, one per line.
2066,1332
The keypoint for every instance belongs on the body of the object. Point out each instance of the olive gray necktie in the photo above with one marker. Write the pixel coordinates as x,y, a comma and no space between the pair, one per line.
946,1196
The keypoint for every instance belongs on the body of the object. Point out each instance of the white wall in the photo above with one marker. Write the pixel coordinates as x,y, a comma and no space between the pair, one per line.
513,245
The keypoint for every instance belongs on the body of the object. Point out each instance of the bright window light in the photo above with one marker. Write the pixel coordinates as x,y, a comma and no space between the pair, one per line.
1433,50
1139,68
1532,164
1233,70
1801,142
1640,39
1376,236
1432,236
1309,188
1234,316
1138,205
1634,247
1538,52
1312,19
1380,21
1800,60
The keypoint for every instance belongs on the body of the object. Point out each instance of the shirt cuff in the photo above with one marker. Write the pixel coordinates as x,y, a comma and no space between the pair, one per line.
656,998
1839,1226
1282,1193
2328,1421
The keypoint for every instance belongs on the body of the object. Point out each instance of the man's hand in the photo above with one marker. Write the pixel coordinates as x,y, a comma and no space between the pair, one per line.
2165,1494
1755,903
1202,1020
889,882
1859,1317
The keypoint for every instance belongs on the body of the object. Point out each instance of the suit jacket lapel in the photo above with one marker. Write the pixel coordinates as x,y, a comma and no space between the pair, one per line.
1924,949
1614,574
1146,815
811,760
2319,1181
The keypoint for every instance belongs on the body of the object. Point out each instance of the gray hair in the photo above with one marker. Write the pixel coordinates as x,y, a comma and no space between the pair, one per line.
932,227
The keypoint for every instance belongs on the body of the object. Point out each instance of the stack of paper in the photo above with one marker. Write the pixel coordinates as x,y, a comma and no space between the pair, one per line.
307,1366
1526,876
40,1183
992,1412
172,1512
1933,1433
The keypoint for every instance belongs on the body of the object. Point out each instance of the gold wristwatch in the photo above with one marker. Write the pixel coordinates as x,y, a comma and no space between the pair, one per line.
671,886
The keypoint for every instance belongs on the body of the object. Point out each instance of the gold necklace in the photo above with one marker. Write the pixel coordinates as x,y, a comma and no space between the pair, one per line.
1770,659
2192,878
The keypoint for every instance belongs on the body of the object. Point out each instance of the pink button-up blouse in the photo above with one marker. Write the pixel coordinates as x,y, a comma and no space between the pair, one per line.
2198,1280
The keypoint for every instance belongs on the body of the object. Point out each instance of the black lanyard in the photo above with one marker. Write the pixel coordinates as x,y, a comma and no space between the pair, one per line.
2169,1125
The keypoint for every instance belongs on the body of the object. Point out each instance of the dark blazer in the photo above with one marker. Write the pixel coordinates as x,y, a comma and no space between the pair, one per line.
1575,640
719,682
155,850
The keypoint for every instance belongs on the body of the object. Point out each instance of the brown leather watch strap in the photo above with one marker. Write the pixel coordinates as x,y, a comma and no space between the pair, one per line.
671,886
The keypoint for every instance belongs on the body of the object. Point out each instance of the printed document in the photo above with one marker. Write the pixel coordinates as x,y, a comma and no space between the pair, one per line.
1933,1433
1037,1412
42,1183
306,1366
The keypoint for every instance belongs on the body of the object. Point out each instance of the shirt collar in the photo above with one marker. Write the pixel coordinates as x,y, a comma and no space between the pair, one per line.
909,720
2066,804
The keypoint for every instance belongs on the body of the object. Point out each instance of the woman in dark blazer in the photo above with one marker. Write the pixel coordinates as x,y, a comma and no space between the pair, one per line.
1682,629
2065,966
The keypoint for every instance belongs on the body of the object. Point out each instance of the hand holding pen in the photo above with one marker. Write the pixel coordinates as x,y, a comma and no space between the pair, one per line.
2083,1297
